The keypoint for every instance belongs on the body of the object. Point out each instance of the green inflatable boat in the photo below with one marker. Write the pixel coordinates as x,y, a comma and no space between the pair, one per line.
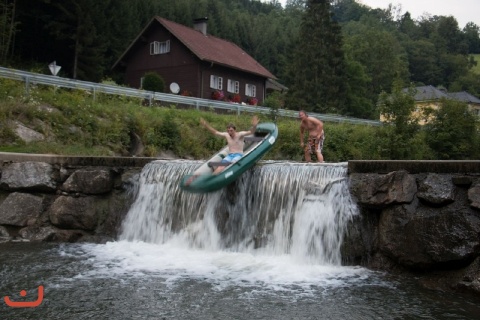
256,145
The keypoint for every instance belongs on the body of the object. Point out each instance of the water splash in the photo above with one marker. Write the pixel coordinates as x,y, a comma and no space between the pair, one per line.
276,209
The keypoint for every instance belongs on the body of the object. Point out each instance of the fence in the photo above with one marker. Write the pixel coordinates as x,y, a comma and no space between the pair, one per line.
95,88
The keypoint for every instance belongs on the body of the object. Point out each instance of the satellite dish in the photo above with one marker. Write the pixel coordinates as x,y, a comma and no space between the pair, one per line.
174,87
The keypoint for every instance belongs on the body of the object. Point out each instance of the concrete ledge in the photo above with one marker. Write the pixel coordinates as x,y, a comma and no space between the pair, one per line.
414,166
77,160
354,166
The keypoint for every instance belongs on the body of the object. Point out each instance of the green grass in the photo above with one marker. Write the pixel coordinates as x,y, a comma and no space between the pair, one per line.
476,68
73,124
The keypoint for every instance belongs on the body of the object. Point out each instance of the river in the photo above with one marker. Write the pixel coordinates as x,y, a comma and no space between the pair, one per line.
274,255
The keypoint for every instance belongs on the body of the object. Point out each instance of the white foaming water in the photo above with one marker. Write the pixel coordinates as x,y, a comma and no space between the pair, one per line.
280,224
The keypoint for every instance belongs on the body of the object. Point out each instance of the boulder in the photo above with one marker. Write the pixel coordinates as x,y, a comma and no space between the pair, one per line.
49,233
27,134
374,190
89,181
422,238
474,196
31,176
73,213
20,209
436,190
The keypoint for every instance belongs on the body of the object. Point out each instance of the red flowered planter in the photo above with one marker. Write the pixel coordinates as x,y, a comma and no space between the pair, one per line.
218,95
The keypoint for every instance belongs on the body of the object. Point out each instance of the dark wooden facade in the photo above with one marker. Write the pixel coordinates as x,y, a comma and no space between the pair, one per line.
182,66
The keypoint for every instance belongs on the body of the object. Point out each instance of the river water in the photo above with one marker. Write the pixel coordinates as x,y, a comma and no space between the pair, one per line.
276,255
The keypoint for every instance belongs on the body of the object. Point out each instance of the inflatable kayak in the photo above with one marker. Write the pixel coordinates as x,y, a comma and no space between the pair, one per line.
256,145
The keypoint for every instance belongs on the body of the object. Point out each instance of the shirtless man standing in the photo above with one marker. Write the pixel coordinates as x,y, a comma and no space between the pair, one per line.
234,139
316,136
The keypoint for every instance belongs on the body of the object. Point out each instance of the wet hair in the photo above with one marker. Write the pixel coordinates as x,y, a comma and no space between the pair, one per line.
231,125
304,112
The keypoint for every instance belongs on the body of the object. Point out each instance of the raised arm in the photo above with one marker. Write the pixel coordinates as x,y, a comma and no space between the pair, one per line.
252,128
209,127
254,124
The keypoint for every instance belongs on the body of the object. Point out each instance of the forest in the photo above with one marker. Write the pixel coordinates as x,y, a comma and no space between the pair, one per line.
335,56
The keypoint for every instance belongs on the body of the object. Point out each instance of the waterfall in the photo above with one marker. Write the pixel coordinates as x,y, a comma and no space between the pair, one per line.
276,208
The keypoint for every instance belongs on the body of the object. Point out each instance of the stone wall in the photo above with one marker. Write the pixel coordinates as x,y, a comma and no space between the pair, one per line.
420,217
66,199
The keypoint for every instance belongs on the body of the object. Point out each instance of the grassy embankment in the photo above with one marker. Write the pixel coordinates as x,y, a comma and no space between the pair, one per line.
74,124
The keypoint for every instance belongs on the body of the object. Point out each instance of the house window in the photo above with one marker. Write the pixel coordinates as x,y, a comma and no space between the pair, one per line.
250,90
216,82
233,86
157,47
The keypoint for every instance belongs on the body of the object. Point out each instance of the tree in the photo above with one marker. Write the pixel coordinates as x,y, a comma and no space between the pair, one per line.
76,24
423,63
8,28
316,71
472,36
454,132
397,110
379,52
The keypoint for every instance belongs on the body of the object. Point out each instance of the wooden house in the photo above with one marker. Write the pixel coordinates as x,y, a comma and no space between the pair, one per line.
194,63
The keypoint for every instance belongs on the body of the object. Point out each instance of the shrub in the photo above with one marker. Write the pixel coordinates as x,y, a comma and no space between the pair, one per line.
152,81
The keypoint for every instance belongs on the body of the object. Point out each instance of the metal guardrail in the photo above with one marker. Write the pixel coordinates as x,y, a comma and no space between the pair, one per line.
36,78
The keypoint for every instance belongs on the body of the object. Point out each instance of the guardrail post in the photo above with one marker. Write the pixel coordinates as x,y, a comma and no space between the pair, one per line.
150,100
197,105
94,93
238,110
27,86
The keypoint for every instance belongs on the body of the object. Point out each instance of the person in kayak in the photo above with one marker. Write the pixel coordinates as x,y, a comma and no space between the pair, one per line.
235,141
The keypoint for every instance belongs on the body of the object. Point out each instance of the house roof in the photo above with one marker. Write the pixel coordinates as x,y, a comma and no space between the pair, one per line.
209,48
464,96
426,93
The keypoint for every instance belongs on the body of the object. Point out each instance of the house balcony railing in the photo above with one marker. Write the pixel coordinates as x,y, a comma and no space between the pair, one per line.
95,88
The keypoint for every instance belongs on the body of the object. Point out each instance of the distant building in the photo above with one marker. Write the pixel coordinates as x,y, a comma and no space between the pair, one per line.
195,63
431,97
472,101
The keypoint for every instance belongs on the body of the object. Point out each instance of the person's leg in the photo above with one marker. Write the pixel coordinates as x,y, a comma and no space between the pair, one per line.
190,180
307,155
227,159
218,169
308,150
318,148
231,158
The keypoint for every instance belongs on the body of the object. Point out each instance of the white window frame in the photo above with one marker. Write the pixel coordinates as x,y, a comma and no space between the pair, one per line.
216,82
157,47
250,90
233,86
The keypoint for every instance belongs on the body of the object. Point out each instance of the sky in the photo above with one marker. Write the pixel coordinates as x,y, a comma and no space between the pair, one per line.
462,10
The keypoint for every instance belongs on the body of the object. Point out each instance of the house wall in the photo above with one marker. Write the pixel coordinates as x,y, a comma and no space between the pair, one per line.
180,65
474,108
208,69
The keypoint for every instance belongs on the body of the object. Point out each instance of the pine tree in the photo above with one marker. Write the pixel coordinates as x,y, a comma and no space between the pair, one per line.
317,69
